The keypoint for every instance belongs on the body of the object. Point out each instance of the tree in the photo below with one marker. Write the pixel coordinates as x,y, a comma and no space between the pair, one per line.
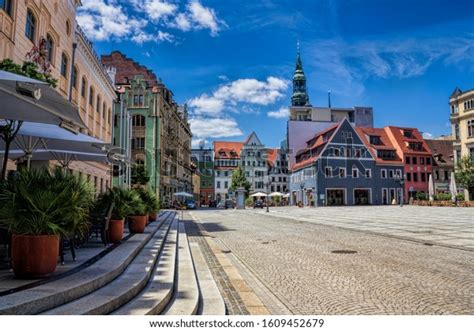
465,173
140,175
239,180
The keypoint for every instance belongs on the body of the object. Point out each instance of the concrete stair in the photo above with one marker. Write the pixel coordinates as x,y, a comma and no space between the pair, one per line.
157,272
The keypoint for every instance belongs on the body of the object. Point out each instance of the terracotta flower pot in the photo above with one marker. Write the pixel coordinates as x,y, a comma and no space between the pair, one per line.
34,256
152,217
116,230
137,224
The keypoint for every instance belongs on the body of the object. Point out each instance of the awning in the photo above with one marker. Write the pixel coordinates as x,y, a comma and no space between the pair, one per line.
25,99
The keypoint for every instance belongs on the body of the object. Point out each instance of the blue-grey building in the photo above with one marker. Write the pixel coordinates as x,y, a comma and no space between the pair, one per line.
341,166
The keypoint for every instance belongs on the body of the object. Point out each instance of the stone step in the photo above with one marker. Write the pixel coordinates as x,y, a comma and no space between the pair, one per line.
185,300
48,296
211,301
158,292
122,289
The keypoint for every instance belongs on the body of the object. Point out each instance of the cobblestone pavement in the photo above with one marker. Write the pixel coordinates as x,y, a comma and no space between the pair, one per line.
385,275
452,227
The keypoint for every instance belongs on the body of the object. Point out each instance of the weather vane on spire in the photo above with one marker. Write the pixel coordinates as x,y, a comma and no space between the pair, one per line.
298,45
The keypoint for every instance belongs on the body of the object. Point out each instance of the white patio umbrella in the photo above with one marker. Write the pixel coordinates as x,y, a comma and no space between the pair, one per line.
287,195
276,194
183,194
64,157
431,188
452,187
37,136
258,195
26,99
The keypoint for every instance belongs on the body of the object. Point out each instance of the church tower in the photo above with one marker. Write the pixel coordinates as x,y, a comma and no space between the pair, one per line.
300,96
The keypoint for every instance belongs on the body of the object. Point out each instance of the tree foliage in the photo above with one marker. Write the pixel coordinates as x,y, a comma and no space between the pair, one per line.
465,173
239,180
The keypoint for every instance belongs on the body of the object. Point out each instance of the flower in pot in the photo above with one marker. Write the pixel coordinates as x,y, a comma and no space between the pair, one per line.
138,216
38,207
151,203
121,198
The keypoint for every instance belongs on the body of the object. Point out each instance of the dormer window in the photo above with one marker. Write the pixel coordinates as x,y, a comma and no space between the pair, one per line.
415,146
407,133
375,140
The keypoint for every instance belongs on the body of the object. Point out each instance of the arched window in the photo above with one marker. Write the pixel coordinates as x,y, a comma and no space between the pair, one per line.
138,120
97,108
6,5
91,96
470,128
68,27
30,28
74,77
49,48
83,87
64,65
104,111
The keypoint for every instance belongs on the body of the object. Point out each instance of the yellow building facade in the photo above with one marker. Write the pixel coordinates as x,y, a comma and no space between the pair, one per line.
81,77
462,123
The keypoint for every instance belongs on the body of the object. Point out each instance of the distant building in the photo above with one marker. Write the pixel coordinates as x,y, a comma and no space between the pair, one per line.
306,119
417,157
443,163
343,166
462,123
253,160
278,170
204,160
226,160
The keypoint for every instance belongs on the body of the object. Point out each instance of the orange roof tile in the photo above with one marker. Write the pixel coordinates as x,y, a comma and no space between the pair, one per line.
399,140
386,143
227,147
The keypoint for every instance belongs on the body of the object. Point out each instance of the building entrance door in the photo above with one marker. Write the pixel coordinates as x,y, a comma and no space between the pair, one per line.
361,196
335,197
385,196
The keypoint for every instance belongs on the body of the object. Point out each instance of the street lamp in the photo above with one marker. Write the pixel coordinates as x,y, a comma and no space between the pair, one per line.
400,180
302,195
267,186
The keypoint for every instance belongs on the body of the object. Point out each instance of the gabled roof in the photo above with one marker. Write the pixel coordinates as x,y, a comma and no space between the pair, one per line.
400,141
228,149
252,138
442,151
457,92
386,143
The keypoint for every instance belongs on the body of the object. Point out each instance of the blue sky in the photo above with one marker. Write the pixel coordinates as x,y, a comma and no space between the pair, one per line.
232,61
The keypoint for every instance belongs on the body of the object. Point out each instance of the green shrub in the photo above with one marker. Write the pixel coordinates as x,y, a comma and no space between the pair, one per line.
124,202
421,196
44,202
249,201
149,199
442,197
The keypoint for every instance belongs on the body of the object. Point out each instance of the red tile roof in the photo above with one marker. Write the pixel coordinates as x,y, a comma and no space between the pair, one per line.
386,143
399,140
442,151
227,147
272,154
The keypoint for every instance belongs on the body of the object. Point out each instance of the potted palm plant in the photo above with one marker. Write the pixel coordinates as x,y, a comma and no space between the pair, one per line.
151,202
38,207
121,198
137,217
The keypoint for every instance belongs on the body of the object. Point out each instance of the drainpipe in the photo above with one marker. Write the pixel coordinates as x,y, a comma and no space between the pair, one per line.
74,47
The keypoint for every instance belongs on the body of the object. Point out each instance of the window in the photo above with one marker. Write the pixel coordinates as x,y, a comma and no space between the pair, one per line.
337,152
6,5
415,177
91,96
446,175
408,177
390,173
407,133
49,48
115,121
470,128
423,177
97,108
64,64
104,111
83,87
368,173
386,154
384,173
407,160
355,173
68,27
399,173
138,120
358,153
138,143
413,160
375,140
422,160
328,171
415,146
74,78
342,172
218,184
226,184
456,131
30,28
428,161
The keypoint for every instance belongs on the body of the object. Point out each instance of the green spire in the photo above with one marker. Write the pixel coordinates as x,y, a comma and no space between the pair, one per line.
300,96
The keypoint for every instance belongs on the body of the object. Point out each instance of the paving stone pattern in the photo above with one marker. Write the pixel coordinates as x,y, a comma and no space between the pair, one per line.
386,275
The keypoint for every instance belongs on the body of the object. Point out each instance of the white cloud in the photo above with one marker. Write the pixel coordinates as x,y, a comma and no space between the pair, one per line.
214,127
139,20
247,91
204,17
283,112
427,135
